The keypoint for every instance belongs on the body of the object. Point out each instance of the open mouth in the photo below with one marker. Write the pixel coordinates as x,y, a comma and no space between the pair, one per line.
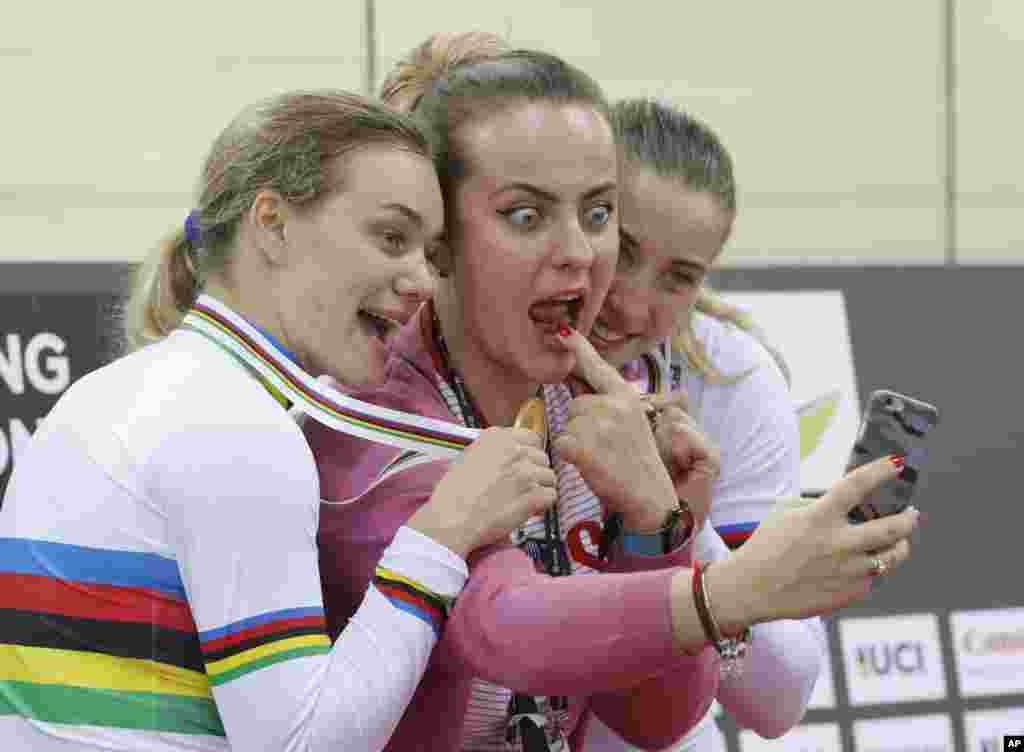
554,312
379,326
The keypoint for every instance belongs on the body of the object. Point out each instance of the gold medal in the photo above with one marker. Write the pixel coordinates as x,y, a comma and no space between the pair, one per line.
531,415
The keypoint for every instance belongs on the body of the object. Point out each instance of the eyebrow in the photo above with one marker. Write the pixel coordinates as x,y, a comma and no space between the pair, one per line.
630,238
551,197
690,264
411,214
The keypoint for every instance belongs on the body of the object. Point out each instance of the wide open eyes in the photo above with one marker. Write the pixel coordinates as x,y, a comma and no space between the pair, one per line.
523,217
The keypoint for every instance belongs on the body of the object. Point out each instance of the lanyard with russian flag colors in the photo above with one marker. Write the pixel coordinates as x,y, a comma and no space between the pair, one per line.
240,339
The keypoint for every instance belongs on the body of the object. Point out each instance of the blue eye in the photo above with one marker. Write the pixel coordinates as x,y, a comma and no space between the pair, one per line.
599,216
524,216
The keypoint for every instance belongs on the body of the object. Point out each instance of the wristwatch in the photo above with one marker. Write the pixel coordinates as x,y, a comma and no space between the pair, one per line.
674,533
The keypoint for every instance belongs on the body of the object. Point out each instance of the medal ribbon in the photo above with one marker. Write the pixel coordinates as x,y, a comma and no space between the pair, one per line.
436,438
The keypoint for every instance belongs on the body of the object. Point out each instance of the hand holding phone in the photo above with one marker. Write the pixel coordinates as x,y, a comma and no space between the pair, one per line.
893,424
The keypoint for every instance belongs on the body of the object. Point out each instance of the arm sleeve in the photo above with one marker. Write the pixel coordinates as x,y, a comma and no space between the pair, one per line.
241,510
779,670
755,425
536,634
757,428
656,712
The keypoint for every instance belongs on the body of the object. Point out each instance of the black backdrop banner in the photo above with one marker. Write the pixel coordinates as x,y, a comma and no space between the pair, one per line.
934,659
46,342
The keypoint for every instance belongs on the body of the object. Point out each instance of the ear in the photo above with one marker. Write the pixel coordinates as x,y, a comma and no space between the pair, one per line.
439,255
267,217
727,232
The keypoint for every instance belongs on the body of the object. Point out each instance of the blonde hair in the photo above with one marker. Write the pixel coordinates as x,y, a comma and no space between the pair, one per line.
162,289
685,340
677,146
287,144
431,60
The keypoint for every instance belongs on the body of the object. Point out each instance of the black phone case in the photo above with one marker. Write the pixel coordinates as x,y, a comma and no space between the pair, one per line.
893,423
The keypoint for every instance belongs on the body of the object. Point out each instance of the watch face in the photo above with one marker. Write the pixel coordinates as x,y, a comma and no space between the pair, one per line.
680,534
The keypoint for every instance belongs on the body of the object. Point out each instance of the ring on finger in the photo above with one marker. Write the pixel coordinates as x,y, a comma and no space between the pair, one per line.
652,416
879,566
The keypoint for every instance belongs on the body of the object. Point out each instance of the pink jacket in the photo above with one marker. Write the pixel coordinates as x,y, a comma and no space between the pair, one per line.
605,640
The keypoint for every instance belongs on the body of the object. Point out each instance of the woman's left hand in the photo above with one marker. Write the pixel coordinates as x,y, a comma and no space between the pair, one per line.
609,438
693,462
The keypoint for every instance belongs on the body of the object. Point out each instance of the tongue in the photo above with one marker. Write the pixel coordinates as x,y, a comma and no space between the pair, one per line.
550,313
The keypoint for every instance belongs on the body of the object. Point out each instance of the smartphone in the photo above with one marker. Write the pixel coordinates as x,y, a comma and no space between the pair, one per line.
893,423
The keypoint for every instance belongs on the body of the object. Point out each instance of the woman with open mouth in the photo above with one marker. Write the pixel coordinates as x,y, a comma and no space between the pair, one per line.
529,174
158,540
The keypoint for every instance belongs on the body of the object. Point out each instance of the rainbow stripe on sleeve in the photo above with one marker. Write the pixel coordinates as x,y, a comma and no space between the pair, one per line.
250,644
99,637
413,598
736,535
102,637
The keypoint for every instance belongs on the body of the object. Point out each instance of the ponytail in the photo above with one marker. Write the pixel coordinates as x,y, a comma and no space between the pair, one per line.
163,289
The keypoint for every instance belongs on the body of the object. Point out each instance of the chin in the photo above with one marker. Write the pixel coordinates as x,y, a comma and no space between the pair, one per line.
357,373
551,368
366,377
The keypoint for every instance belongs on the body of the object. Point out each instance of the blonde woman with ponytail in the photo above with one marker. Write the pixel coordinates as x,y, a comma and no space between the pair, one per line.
595,611
158,552
668,332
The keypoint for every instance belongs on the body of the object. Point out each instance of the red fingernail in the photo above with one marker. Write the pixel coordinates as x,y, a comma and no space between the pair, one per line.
564,330
897,461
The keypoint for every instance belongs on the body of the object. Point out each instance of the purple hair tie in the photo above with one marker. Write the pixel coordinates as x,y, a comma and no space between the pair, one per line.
193,233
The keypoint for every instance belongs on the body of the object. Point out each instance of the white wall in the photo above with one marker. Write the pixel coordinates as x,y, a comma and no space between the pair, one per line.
109,107
990,152
833,110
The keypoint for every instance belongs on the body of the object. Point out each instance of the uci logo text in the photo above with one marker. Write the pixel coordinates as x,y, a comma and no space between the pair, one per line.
889,658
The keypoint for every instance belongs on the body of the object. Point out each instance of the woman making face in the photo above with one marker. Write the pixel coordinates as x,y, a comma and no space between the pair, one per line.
529,170
531,246
525,256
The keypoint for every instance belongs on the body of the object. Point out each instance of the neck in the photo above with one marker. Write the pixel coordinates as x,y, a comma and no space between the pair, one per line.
497,391
253,308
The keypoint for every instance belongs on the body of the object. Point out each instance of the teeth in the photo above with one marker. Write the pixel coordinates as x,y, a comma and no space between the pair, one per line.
567,298
602,331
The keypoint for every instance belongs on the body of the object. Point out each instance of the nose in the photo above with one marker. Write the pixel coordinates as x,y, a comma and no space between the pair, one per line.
417,283
628,307
574,250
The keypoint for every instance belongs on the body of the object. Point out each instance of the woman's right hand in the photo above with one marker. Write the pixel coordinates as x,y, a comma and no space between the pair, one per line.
806,561
501,480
